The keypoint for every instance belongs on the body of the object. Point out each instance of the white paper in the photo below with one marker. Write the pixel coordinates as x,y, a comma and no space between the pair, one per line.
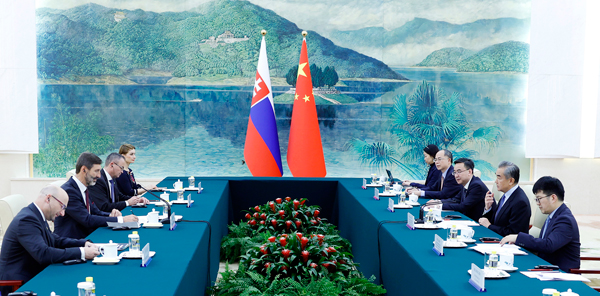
488,248
124,224
478,276
459,223
438,244
555,276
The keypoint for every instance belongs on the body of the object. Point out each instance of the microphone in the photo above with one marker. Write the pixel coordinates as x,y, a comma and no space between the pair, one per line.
167,204
421,214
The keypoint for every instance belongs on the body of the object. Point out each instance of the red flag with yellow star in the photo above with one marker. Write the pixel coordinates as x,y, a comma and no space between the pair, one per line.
305,151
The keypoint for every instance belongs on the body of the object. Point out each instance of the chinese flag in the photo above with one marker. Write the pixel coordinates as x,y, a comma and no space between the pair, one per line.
305,151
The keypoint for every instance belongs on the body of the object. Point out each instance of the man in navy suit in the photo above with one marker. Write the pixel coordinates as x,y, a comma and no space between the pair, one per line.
29,245
83,217
559,239
448,187
511,214
105,194
471,199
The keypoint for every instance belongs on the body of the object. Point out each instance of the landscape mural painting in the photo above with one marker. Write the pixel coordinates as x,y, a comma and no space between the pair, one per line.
175,79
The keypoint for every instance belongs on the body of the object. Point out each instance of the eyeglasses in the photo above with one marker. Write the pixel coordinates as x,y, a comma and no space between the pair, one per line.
439,159
122,168
62,205
458,172
538,199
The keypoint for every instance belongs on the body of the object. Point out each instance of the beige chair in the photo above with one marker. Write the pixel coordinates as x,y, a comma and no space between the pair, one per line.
9,207
70,174
477,173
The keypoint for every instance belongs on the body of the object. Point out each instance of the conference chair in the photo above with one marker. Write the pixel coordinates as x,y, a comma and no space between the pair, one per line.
9,207
14,284
587,271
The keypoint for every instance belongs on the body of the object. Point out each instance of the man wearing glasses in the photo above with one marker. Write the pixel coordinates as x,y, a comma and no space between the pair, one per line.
83,217
471,199
559,238
105,194
447,184
512,212
29,245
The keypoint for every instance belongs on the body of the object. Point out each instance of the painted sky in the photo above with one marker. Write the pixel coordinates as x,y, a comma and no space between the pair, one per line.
323,16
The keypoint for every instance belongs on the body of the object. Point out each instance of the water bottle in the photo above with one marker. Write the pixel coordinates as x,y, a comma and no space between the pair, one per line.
493,261
429,217
134,243
192,181
453,234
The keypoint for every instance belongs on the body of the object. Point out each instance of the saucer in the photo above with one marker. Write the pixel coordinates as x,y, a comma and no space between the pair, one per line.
457,244
152,225
501,274
106,261
468,241
509,269
127,255
403,206
180,202
424,226
387,194
413,203
374,185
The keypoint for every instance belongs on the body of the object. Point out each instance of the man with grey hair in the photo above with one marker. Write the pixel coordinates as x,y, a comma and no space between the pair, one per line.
105,194
29,246
512,212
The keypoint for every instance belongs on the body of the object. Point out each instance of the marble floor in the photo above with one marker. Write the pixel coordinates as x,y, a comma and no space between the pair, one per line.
589,232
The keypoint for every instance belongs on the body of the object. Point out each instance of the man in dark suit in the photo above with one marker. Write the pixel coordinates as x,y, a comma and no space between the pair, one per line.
29,245
471,199
83,217
559,238
448,187
105,194
511,214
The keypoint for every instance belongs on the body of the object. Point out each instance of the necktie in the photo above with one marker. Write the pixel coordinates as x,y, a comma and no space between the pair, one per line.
464,194
545,227
87,200
500,205
112,190
442,183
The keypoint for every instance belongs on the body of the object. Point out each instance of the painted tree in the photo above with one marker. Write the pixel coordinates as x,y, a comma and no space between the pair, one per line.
428,116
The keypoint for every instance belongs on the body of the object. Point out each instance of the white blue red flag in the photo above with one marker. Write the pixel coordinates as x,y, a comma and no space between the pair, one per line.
261,150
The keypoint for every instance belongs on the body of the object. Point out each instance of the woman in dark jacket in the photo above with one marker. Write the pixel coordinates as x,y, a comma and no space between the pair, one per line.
126,182
433,175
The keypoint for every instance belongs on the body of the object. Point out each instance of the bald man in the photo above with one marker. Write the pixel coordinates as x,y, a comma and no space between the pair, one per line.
29,245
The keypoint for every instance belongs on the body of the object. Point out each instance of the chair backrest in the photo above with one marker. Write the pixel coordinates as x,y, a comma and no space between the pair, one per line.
477,173
9,207
70,174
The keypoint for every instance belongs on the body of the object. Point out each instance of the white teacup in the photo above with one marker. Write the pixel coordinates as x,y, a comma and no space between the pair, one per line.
506,260
467,233
165,196
397,187
109,250
178,185
413,198
152,217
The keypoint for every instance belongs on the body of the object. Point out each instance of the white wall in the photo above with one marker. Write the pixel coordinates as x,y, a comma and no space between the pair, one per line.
12,166
580,177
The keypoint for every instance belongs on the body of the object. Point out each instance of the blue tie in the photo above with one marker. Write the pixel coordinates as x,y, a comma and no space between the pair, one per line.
112,190
545,227
500,206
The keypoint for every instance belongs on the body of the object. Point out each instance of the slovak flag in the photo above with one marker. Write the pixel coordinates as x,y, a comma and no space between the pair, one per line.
261,150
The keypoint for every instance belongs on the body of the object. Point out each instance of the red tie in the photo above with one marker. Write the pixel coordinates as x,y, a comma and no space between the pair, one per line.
87,200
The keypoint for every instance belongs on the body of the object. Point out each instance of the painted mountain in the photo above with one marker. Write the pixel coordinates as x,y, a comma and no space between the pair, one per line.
510,56
414,41
219,38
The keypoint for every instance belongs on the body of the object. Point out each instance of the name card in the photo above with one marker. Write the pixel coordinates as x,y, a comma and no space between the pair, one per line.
477,279
173,225
189,200
199,187
438,245
391,205
146,255
376,196
364,186
411,222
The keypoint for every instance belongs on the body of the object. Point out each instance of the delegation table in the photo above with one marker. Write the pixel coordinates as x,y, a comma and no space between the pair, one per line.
187,259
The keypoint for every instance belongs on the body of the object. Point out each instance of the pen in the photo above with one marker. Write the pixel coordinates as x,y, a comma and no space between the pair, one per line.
539,269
